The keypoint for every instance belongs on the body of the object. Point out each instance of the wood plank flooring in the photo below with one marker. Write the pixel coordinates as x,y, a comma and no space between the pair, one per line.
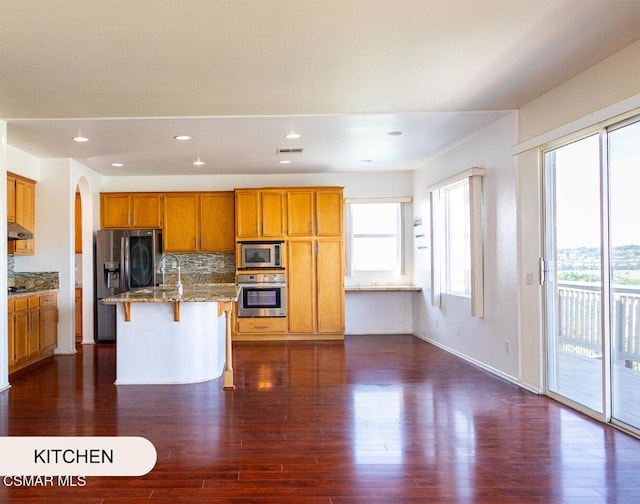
376,420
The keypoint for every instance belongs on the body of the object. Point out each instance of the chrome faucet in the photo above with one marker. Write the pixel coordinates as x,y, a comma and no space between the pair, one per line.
163,269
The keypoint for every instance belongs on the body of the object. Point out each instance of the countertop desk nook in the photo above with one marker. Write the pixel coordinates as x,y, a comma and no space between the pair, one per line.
167,336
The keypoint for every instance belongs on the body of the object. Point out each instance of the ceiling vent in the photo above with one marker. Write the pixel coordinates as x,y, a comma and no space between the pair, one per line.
289,151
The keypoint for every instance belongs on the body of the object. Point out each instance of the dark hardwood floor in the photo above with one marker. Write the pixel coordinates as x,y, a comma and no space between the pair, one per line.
378,419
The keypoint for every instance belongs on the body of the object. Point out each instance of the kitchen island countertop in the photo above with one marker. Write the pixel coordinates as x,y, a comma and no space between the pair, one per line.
199,293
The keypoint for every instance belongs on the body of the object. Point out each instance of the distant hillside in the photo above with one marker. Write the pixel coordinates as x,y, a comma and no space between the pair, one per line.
626,257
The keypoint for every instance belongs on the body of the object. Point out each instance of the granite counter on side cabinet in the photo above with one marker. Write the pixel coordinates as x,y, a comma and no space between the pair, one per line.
165,336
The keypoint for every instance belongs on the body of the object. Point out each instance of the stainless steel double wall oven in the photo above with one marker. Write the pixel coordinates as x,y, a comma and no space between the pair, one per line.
263,293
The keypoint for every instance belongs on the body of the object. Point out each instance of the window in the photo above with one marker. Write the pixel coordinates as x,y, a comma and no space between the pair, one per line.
457,234
375,235
456,239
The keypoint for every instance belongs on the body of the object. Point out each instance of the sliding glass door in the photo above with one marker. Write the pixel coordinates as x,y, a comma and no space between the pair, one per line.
592,269
624,226
574,273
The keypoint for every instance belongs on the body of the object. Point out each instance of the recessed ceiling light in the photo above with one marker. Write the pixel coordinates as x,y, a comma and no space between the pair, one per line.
284,161
80,138
394,133
197,162
366,160
293,136
117,165
182,137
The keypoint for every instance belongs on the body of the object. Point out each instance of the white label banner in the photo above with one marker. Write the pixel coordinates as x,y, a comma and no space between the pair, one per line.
76,456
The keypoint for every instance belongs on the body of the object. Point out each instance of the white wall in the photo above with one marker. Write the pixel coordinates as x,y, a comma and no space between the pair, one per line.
356,184
370,312
481,340
606,90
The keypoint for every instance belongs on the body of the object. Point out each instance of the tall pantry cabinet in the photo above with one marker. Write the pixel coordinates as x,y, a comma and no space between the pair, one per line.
315,273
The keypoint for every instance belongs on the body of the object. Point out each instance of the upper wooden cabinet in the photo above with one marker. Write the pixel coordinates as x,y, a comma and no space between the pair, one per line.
130,210
78,224
315,211
217,222
11,198
260,213
180,230
329,212
21,208
199,222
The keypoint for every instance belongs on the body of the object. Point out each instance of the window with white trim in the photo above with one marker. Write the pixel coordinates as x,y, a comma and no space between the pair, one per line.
375,238
456,239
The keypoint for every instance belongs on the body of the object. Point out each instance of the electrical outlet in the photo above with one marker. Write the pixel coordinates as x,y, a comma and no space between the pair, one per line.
529,278
507,345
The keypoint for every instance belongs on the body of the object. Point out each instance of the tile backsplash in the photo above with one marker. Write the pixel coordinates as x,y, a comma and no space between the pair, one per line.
203,268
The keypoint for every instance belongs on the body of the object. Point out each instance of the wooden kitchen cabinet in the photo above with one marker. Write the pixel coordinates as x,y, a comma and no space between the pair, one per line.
11,198
78,224
130,210
180,230
78,313
217,222
20,332
315,280
310,222
199,222
48,316
329,212
315,211
11,335
330,285
301,212
260,213
33,329
21,208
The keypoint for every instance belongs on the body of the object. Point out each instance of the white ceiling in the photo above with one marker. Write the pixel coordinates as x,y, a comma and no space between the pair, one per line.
238,75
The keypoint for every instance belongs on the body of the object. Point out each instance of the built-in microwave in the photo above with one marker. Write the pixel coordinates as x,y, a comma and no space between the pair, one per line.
260,255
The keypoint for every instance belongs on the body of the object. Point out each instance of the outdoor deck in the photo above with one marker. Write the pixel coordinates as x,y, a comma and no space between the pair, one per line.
579,380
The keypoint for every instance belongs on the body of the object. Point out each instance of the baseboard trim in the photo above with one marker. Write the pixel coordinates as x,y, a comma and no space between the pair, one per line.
479,364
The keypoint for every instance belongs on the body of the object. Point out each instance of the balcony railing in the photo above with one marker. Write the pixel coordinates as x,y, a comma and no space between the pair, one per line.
580,321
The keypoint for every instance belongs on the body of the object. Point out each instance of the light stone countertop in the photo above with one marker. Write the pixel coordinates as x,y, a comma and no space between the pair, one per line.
382,288
28,293
201,293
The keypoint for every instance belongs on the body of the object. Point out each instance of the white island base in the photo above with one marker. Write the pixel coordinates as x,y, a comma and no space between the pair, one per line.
153,348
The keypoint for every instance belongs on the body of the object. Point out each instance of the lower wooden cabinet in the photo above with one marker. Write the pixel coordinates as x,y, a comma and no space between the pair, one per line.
33,329
262,325
78,311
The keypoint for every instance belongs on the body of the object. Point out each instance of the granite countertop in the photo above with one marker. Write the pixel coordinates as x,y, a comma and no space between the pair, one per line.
27,293
201,293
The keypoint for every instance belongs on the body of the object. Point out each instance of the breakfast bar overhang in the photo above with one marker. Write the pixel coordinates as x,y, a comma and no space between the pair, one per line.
174,337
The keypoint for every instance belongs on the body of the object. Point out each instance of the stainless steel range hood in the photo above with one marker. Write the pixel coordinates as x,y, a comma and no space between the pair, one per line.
17,232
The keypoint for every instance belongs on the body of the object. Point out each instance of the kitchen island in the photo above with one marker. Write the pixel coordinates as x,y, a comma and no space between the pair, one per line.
168,336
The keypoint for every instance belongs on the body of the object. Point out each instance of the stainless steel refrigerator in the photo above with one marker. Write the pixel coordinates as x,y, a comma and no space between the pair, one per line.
124,259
